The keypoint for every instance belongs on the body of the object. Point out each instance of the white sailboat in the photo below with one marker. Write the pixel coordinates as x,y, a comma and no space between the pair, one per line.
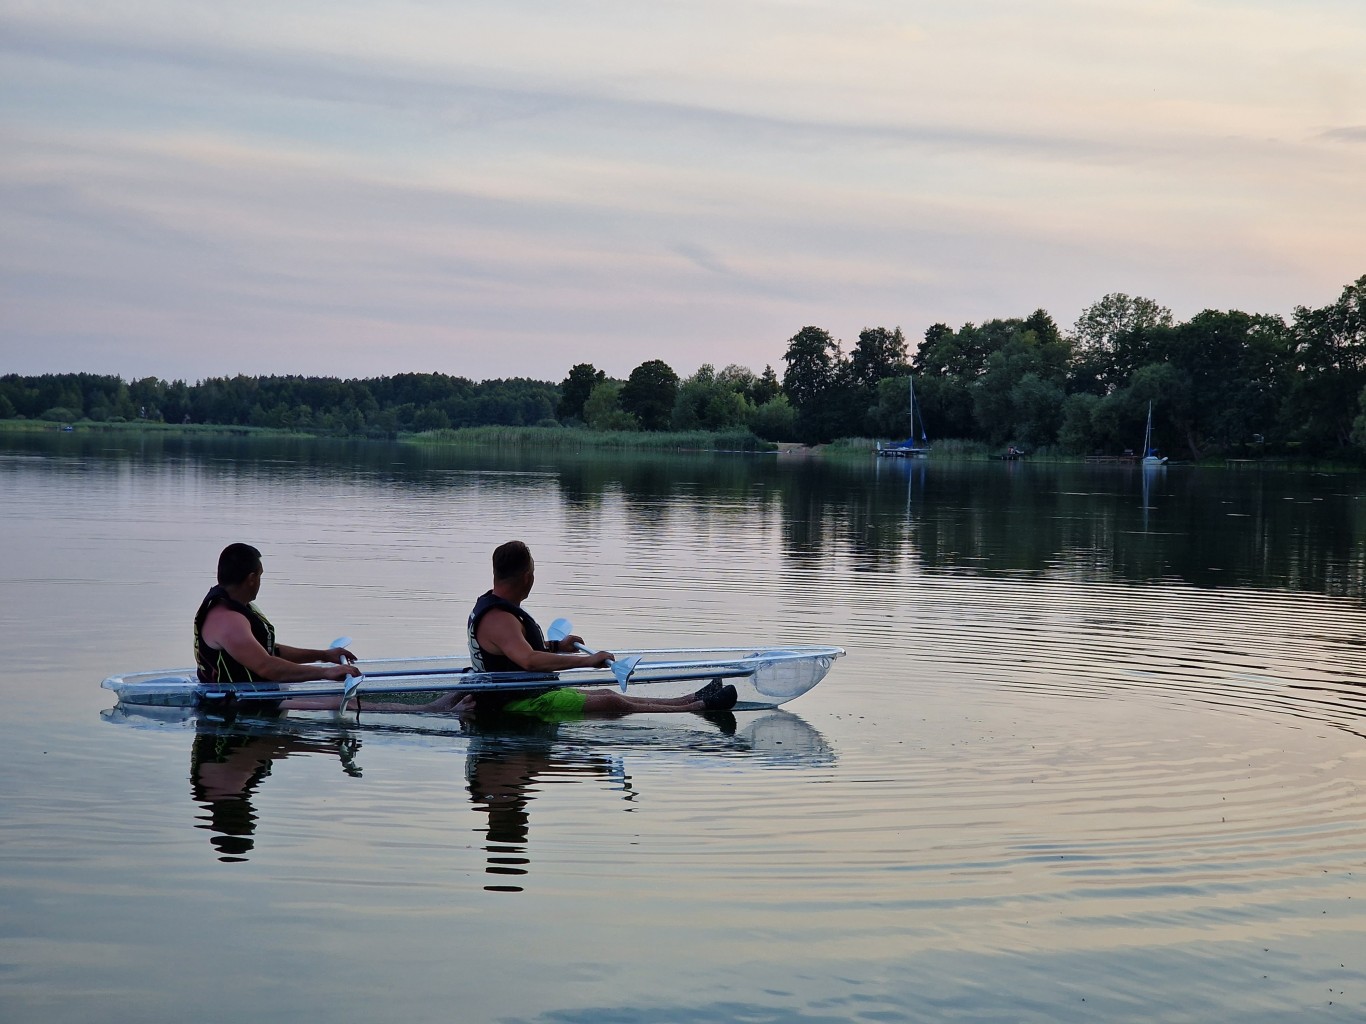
1150,457
908,449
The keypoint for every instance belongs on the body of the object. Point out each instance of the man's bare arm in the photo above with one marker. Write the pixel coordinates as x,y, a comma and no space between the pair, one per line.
230,631
500,633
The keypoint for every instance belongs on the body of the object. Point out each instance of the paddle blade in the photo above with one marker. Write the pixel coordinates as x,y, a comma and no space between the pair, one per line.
559,629
352,687
341,641
623,670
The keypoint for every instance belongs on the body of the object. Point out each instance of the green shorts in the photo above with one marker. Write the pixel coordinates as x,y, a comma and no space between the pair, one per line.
564,705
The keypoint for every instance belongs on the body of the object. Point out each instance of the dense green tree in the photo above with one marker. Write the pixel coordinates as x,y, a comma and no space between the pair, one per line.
603,409
1077,433
649,394
1045,329
713,401
1231,367
775,420
1328,353
956,355
742,381
1120,416
690,403
575,389
812,359
890,413
945,406
766,388
431,418
1003,409
1104,336
1036,407
816,382
879,354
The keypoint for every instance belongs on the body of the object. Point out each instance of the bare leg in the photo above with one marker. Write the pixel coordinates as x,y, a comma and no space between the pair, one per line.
608,702
712,697
360,702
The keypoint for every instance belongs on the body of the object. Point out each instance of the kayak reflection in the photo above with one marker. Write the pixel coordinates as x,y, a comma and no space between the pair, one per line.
507,760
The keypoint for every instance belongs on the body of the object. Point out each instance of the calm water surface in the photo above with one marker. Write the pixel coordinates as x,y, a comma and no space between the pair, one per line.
1096,753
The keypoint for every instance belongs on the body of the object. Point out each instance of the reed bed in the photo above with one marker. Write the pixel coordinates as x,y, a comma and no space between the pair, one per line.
576,438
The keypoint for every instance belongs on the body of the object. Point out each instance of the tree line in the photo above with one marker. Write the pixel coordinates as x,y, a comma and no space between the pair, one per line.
653,397
381,406
1220,382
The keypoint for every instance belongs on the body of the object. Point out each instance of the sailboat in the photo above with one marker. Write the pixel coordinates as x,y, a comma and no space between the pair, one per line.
1150,456
908,449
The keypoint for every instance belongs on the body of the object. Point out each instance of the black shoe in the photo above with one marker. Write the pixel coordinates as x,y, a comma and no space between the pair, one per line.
709,691
722,700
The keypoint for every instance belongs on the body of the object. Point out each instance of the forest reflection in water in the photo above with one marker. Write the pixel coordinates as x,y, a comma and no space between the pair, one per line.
1249,527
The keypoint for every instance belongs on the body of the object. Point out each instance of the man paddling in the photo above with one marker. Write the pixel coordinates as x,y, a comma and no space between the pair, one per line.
235,643
504,638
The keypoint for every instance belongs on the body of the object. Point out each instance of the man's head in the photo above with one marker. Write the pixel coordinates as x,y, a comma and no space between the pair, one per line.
236,563
513,565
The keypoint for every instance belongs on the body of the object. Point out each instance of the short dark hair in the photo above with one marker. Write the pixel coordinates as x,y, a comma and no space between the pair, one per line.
236,563
510,560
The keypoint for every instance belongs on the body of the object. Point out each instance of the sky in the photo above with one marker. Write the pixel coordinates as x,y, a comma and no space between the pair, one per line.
506,189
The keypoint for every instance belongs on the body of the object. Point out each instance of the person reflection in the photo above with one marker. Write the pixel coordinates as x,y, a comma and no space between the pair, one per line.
503,771
225,769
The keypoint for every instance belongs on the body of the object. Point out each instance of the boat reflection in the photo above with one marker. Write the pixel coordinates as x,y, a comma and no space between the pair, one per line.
507,761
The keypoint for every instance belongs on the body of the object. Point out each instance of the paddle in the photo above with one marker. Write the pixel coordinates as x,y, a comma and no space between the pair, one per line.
622,668
353,682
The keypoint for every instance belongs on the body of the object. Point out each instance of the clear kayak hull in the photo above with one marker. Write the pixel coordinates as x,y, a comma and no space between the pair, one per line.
764,677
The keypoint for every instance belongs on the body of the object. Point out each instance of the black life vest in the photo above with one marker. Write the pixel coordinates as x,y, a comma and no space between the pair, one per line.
487,661
216,666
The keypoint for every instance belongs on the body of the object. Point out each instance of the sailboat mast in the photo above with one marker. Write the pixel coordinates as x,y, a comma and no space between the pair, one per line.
910,381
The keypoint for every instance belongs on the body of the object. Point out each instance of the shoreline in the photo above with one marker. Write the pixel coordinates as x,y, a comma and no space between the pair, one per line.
577,438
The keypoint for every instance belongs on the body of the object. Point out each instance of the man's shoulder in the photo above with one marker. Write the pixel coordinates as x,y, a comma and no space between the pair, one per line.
223,612
498,611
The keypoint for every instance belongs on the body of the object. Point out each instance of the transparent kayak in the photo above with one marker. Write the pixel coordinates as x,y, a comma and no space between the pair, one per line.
765,677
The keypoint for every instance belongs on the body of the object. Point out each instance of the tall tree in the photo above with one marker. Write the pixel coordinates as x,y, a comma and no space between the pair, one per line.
817,383
1329,353
766,388
1043,327
879,354
649,394
1104,336
812,358
575,389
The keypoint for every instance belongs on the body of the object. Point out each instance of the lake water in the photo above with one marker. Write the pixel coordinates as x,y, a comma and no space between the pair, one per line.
1096,752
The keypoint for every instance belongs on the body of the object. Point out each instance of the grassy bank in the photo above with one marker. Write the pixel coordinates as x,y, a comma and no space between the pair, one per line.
573,439
135,427
579,439
555,438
